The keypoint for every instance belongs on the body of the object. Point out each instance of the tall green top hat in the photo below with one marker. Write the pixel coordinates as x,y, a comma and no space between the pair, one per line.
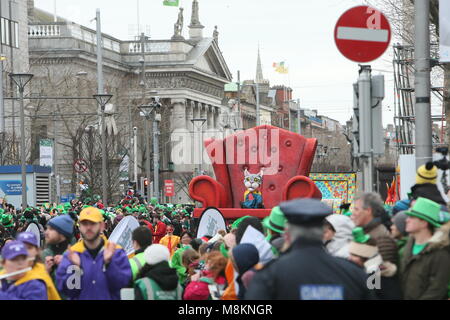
275,221
7,220
427,210
359,236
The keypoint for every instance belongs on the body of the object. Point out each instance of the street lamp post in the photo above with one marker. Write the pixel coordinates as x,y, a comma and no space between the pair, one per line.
147,110
102,100
21,80
200,127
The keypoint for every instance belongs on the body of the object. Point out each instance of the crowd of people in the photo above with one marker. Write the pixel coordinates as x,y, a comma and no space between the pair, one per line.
302,250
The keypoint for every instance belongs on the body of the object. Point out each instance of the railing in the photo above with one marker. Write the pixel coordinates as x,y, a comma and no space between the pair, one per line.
44,31
155,47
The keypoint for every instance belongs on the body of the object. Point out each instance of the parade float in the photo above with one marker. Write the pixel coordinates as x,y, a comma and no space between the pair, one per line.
255,170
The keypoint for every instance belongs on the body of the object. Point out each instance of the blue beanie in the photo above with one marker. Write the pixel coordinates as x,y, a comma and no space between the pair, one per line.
63,224
401,205
245,256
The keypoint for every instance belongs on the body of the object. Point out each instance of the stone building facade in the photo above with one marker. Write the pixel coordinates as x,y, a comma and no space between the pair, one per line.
14,50
188,75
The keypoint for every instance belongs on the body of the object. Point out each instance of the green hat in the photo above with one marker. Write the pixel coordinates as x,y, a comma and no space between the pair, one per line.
275,221
7,220
154,201
427,210
67,205
359,236
86,200
236,223
2,211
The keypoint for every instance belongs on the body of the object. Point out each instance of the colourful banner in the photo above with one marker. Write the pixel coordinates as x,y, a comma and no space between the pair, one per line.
336,188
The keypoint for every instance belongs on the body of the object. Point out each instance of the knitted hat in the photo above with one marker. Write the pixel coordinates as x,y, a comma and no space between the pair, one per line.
426,173
63,225
400,222
156,253
401,205
245,255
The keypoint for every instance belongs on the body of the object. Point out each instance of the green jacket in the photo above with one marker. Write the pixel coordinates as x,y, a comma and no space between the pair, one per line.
136,263
177,264
150,290
426,275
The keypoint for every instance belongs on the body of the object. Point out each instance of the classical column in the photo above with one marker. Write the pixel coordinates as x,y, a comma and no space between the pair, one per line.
216,117
210,117
189,114
203,110
196,110
178,114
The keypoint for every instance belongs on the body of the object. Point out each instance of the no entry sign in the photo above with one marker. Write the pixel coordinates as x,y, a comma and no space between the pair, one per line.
362,34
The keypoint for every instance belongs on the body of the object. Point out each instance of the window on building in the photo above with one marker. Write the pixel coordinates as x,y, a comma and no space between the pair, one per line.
9,32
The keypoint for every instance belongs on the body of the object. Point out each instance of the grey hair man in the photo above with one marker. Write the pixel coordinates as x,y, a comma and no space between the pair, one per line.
367,212
306,271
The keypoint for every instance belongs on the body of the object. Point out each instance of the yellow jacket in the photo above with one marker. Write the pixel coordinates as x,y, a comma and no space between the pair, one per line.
175,240
39,273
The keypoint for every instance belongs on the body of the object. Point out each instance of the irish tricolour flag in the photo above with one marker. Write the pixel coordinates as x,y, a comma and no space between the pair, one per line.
172,3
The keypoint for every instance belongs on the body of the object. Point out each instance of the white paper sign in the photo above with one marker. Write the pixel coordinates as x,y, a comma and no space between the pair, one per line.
33,228
122,233
253,236
46,152
211,221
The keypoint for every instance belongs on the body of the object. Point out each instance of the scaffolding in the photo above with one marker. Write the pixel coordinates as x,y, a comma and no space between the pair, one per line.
404,117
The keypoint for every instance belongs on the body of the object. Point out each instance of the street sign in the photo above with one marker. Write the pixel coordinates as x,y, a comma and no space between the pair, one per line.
169,188
80,166
362,34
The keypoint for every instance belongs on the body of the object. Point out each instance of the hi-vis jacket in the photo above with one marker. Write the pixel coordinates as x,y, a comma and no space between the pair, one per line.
96,281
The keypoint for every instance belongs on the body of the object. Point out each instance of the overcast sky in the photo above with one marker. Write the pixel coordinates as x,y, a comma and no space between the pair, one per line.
299,32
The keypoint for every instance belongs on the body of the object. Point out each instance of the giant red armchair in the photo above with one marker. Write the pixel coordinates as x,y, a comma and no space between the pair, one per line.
286,158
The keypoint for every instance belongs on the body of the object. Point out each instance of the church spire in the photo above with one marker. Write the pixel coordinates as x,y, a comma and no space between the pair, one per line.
259,75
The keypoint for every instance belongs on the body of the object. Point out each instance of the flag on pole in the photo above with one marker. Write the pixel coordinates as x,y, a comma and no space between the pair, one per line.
171,3
280,68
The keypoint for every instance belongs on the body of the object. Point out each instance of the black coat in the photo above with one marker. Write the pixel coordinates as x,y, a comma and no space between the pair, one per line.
308,271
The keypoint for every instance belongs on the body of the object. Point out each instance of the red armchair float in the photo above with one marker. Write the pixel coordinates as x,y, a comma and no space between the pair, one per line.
285,156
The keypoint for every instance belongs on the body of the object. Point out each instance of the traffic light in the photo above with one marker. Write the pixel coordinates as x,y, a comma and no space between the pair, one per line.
145,191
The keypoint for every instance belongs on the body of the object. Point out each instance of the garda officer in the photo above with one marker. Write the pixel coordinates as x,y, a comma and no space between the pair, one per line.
306,271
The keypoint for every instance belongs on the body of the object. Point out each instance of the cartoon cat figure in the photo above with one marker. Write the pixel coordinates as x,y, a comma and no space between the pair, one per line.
252,196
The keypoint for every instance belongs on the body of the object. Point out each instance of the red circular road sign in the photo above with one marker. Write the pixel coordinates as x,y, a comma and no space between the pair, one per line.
80,166
362,34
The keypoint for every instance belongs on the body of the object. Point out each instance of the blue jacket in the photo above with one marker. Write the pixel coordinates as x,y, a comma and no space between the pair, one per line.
30,290
98,282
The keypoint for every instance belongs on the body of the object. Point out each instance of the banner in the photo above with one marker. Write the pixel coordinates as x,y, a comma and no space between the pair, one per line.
46,152
122,233
336,188
34,229
11,187
210,222
171,3
444,30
